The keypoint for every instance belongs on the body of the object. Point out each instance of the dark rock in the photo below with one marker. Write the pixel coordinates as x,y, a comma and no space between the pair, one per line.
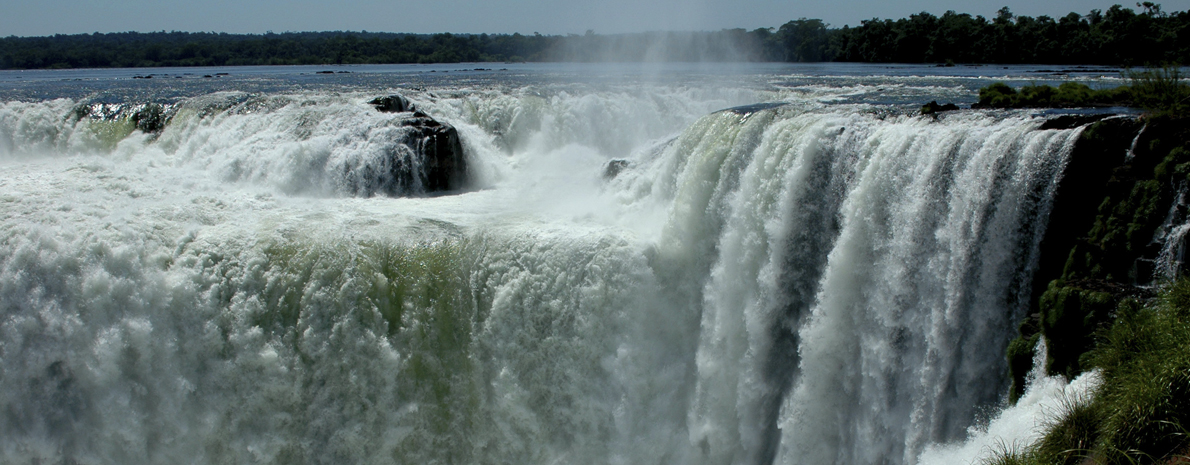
1071,121
1144,271
1104,213
393,104
613,168
444,164
744,110
150,118
933,107
427,159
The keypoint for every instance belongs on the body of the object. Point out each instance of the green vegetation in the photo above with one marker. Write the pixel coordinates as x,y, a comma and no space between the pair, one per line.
1092,301
933,107
1099,245
1067,95
1087,254
132,49
1141,412
1160,91
1117,36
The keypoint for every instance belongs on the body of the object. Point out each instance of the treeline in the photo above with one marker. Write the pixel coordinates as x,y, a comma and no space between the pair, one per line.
133,49
1117,36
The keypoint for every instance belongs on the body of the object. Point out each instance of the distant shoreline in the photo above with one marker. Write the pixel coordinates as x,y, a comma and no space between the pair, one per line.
1115,37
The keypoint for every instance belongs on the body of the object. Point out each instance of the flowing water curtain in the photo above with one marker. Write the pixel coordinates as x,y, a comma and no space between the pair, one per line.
938,237
776,226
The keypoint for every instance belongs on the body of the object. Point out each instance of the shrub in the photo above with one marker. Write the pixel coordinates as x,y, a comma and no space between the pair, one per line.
997,95
1160,90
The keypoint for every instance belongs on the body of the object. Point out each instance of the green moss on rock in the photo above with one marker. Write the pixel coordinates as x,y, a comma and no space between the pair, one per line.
1070,316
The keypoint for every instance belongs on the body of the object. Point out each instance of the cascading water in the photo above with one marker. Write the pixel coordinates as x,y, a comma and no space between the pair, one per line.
862,276
801,284
1171,235
1046,400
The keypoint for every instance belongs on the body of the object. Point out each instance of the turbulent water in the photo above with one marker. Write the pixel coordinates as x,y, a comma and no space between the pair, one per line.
833,280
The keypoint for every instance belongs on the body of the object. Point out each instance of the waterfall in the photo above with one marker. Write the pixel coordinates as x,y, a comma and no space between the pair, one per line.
863,276
799,284
1171,235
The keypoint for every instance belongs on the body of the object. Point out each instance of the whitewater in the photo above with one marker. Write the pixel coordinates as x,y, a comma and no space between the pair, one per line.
831,278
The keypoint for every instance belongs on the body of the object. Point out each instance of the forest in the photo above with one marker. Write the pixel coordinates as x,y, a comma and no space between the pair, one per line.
1117,36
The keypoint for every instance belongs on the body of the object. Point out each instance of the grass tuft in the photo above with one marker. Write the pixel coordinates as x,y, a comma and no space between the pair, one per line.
1140,412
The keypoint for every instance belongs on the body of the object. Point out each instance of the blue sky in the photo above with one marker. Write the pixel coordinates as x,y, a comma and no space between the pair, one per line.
45,17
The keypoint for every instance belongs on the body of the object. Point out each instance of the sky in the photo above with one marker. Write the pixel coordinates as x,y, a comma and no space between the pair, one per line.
48,17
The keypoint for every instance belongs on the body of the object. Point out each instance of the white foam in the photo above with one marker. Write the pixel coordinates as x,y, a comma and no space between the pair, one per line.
1016,427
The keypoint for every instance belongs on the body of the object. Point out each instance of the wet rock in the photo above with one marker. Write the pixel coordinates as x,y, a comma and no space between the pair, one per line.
444,164
933,107
1072,121
392,104
150,118
744,110
427,158
613,168
441,164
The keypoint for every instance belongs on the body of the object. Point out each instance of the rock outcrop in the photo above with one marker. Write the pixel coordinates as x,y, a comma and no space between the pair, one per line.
392,104
150,118
933,108
1110,234
444,166
428,158
613,168
745,110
